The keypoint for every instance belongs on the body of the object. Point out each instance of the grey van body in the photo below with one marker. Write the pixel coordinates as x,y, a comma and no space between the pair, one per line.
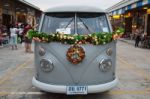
63,73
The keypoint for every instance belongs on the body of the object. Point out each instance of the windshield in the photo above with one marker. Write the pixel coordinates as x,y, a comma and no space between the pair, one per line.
71,23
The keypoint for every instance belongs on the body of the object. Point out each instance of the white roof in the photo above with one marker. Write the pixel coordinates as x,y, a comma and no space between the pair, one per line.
29,4
75,8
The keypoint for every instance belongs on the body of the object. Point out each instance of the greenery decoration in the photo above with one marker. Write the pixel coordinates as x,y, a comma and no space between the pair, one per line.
120,30
94,38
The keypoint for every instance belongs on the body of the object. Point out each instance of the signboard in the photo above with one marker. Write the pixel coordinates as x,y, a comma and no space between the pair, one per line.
64,30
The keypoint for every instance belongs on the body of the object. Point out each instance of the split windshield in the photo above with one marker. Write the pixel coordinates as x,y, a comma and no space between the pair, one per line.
71,23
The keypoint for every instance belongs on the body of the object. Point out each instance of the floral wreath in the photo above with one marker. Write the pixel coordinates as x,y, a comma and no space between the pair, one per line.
75,54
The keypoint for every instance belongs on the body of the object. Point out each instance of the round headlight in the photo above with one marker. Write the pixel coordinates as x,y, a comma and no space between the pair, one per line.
41,51
46,65
105,65
109,51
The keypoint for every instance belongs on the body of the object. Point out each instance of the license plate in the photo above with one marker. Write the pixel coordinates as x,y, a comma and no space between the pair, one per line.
75,90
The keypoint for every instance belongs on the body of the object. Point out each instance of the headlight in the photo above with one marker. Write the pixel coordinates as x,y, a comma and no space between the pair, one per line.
41,51
46,65
109,51
105,65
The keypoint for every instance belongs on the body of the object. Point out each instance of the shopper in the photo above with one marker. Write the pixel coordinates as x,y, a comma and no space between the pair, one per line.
13,38
27,40
137,38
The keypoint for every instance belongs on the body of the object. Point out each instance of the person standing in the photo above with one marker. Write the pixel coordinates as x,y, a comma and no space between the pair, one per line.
138,38
13,38
27,40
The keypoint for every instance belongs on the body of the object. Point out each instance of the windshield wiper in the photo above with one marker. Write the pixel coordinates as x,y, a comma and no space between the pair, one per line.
69,23
85,25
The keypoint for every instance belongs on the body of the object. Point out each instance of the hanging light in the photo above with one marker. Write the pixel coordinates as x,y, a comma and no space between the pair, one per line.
127,15
148,11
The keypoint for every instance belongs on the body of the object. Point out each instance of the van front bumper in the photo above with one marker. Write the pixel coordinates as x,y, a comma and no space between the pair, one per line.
62,89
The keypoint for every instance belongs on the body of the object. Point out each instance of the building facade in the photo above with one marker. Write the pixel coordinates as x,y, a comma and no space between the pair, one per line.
18,11
131,14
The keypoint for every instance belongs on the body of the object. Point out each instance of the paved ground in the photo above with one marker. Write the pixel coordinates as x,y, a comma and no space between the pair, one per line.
133,70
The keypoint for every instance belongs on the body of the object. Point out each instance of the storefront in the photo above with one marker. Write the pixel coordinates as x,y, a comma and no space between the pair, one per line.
18,11
134,13
134,19
13,12
116,21
26,13
7,12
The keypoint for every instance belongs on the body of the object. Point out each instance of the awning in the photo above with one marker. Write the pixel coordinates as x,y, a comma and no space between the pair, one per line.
145,2
138,4
120,11
117,12
148,1
114,13
134,5
123,10
129,7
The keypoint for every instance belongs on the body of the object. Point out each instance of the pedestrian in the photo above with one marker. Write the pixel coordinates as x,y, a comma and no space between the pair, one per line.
26,39
137,38
20,35
13,38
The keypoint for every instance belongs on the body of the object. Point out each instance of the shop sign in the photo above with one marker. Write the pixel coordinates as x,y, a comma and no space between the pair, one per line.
116,17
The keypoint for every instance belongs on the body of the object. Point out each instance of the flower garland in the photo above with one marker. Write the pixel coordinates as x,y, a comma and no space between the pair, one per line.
94,38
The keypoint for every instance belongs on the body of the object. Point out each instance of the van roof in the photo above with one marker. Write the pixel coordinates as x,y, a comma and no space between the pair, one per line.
75,8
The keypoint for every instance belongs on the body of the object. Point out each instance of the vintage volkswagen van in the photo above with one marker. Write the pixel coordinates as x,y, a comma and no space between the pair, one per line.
75,68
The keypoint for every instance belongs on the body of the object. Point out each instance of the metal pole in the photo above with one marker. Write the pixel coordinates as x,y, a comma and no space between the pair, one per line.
76,24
